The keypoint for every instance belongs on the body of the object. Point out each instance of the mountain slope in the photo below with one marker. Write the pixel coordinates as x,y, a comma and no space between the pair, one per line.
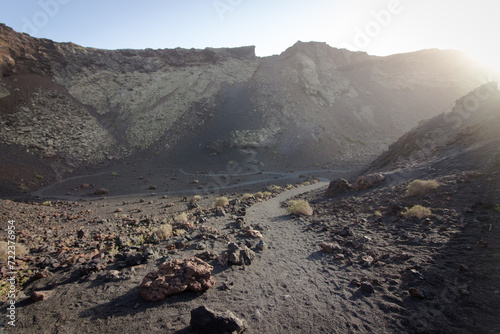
466,138
66,107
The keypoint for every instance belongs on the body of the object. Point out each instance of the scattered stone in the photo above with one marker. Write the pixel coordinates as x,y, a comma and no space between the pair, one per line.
464,291
330,247
239,255
38,296
416,293
192,205
368,181
207,256
337,187
366,260
41,274
416,240
412,275
355,282
240,222
80,234
220,212
152,187
367,287
207,321
345,232
482,244
176,276
463,267
253,234
226,286
112,275
132,258
93,266
101,191
339,257
261,246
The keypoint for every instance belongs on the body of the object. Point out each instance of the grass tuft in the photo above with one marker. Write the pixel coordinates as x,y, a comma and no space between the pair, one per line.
163,232
421,187
299,207
417,211
221,202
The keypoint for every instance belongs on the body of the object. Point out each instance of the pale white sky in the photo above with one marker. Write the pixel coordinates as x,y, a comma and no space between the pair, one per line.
379,27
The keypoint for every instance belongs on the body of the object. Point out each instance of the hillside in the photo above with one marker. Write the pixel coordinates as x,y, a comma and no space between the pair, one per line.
465,138
65,108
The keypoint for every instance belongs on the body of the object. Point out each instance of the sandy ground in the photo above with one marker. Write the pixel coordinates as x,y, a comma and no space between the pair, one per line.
449,262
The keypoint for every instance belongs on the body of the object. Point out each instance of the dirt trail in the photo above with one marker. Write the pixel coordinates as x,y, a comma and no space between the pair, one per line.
292,288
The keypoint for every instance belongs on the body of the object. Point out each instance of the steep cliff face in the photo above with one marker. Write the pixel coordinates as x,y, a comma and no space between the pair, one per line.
68,107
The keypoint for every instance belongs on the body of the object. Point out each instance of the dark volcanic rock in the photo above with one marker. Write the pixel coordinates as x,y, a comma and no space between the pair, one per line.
239,255
205,320
337,187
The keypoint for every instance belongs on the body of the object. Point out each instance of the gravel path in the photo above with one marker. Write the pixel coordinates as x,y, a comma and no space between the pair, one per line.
291,288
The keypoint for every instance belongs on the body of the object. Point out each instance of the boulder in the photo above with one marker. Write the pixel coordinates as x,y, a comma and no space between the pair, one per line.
330,247
337,187
176,276
101,191
206,320
368,181
239,255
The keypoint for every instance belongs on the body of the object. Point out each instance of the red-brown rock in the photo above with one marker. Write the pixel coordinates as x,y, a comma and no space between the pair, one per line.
368,181
176,276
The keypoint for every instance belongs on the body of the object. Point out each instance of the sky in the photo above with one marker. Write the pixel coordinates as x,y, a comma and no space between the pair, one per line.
379,27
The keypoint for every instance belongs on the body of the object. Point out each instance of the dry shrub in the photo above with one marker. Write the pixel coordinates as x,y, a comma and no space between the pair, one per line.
181,218
196,198
247,196
274,188
4,251
420,187
300,207
163,232
221,202
417,211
